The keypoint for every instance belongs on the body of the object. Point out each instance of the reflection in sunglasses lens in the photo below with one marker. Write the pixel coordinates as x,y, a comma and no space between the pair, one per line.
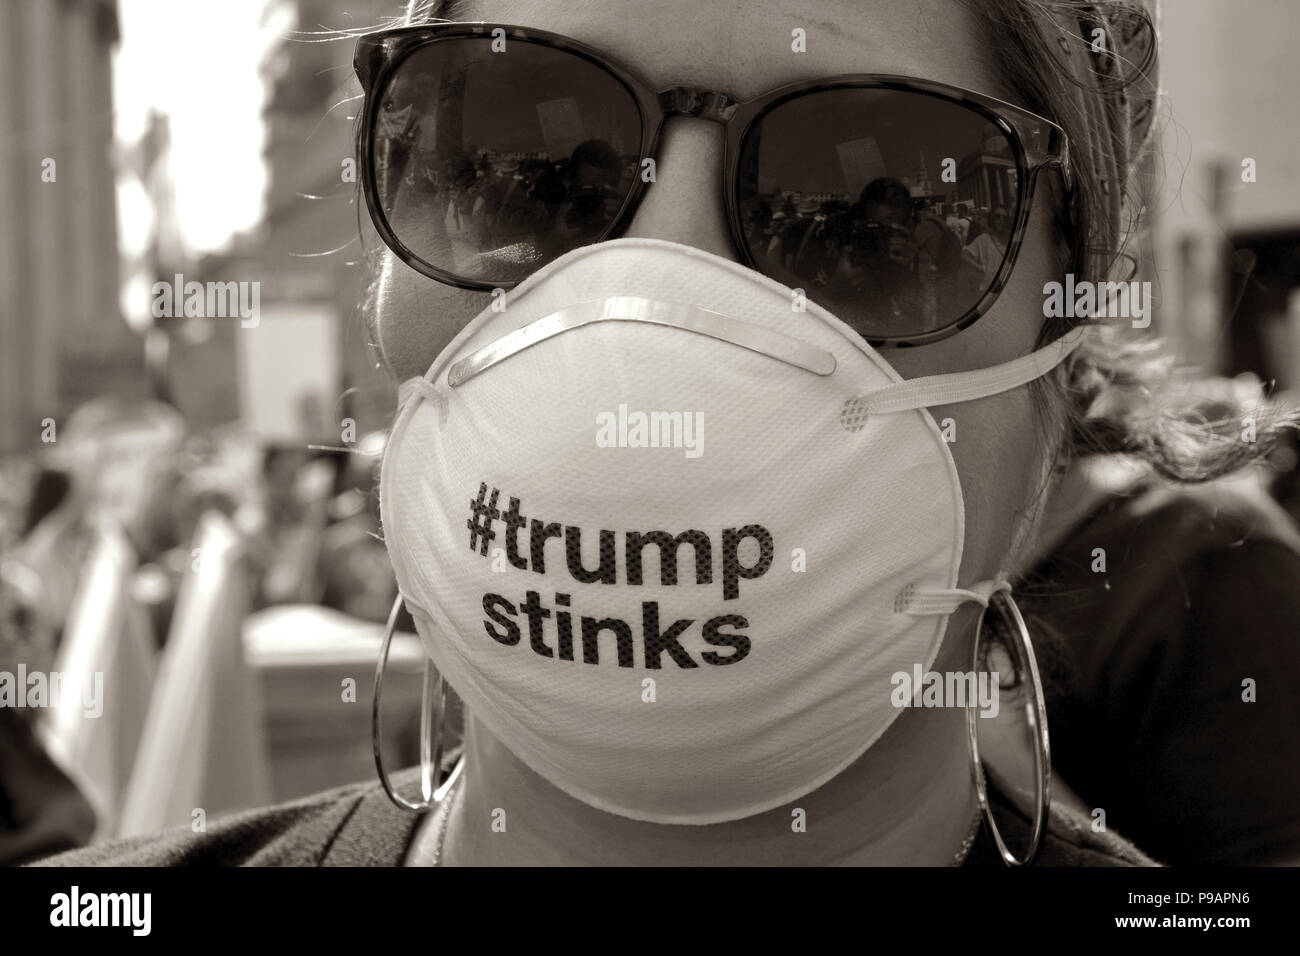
874,214
488,167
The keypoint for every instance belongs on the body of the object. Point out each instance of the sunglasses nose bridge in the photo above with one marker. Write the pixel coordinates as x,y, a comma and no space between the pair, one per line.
697,103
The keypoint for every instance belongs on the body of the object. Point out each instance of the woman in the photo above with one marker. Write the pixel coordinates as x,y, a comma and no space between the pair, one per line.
821,534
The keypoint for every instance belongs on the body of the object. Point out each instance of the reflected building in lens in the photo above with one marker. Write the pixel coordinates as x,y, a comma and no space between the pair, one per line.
988,178
920,188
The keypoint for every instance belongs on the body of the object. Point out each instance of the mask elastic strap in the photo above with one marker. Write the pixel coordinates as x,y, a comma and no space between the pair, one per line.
956,387
415,388
417,385
928,601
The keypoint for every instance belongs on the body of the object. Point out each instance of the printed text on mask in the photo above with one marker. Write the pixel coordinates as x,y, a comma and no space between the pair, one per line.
658,637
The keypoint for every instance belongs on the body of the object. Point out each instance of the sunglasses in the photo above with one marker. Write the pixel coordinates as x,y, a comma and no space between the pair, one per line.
488,151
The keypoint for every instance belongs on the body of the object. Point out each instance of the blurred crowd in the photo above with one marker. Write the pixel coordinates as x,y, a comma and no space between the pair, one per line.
308,519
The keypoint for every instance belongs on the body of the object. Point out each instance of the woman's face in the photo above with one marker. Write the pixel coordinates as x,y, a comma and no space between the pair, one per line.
745,49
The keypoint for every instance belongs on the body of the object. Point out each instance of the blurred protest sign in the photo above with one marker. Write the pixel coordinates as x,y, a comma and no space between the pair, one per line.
290,373
203,746
860,163
106,664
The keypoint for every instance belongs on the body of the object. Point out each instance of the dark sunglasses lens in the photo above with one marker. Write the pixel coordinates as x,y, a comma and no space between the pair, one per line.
488,165
890,208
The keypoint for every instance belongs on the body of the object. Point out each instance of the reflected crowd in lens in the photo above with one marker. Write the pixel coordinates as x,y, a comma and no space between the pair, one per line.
890,261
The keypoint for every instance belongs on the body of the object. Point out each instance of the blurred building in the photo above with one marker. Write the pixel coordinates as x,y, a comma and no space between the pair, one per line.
1229,73
62,337
305,255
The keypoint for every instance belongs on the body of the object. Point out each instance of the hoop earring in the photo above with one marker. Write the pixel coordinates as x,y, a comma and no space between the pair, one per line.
1037,713
432,723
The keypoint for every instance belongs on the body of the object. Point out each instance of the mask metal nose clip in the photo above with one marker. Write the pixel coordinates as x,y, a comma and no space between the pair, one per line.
625,308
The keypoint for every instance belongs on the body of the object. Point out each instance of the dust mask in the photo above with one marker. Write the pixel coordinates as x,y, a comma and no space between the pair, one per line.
668,530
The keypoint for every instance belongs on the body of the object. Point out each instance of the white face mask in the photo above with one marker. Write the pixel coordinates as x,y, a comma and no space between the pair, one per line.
669,538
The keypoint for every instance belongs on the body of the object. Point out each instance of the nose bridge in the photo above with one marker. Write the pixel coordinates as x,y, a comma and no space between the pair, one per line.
686,204
697,103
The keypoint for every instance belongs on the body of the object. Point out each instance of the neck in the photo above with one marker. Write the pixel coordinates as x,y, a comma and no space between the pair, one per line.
908,800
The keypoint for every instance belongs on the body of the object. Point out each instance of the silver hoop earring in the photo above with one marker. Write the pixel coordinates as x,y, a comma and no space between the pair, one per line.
432,724
1037,713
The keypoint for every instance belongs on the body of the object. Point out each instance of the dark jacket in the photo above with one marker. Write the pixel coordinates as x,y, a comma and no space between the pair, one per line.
358,826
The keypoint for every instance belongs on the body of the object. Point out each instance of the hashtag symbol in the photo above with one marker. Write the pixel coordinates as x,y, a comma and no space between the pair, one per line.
483,513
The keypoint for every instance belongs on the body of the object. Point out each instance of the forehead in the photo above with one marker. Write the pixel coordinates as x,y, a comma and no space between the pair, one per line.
745,47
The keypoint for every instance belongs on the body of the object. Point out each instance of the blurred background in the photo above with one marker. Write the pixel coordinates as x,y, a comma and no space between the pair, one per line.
187,504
